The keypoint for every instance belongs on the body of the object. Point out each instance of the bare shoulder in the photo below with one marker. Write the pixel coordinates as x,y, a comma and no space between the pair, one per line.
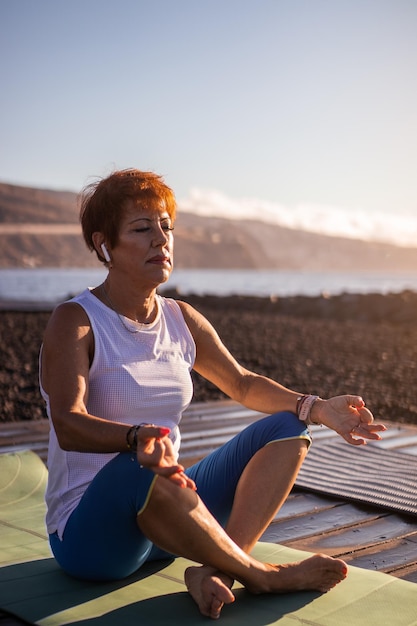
67,319
213,359
200,327
187,309
194,319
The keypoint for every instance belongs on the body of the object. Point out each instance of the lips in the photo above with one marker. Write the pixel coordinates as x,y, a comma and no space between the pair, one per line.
160,260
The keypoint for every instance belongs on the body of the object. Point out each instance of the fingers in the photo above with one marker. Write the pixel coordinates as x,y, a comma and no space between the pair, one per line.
348,416
372,429
178,477
359,434
157,454
367,426
356,401
353,436
183,481
365,415
353,441
155,448
150,431
358,404
165,470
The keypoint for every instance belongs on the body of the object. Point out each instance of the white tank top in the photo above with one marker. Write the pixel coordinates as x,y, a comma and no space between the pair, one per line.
135,377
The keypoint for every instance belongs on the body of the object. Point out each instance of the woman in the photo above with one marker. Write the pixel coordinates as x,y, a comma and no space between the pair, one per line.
115,376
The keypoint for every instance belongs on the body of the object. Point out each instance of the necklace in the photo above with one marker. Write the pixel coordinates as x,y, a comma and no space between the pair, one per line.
113,308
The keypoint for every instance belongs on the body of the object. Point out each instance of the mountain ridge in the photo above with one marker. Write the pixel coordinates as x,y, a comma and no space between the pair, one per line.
40,228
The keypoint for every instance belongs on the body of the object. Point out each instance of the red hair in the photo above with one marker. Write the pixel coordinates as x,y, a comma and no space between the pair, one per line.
103,203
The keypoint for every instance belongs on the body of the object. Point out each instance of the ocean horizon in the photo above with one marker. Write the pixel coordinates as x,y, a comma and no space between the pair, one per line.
50,285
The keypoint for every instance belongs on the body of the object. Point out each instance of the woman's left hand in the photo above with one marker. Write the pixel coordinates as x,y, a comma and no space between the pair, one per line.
348,416
155,451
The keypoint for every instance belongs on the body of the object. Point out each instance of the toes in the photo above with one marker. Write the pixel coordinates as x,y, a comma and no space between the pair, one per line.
216,608
208,590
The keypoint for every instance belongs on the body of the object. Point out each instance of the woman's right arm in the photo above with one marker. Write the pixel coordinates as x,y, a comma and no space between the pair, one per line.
68,349
67,353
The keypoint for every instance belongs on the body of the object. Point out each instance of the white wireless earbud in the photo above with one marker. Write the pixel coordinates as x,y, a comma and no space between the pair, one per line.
105,252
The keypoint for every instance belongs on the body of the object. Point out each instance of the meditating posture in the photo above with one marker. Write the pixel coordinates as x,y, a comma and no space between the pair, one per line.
115,374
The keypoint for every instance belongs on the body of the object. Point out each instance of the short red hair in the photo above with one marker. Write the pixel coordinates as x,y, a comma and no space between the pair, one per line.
103,203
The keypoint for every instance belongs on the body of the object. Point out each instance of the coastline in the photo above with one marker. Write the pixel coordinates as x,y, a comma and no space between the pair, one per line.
359,344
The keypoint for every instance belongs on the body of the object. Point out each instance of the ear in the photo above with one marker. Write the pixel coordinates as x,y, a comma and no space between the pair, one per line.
105,252
100,247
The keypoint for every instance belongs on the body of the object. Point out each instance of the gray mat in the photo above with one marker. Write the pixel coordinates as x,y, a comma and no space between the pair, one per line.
367,474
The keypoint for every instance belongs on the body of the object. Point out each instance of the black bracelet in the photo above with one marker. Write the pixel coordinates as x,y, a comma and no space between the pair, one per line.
134,445
135,436
129,445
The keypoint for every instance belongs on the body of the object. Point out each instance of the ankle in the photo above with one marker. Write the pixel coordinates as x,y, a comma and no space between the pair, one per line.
260,579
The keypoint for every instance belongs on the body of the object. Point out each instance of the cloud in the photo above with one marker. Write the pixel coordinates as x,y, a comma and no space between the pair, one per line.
397,229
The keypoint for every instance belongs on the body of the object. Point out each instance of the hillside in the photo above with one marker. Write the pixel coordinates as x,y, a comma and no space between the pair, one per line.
39,228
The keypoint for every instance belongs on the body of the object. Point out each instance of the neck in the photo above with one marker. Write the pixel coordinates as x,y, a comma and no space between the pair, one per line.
142,310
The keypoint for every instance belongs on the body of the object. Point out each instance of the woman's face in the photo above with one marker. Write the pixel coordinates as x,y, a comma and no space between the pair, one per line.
144,250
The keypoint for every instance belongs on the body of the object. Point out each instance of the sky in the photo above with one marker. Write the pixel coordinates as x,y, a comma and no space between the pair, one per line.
296,110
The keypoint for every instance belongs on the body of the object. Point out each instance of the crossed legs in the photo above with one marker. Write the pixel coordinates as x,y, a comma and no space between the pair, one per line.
192,532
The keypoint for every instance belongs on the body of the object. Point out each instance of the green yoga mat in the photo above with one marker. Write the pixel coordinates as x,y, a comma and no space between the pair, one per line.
34,588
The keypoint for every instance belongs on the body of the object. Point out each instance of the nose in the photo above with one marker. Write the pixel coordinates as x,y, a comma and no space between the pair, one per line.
160,235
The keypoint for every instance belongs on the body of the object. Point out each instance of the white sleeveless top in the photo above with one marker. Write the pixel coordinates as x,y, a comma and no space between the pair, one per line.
135,377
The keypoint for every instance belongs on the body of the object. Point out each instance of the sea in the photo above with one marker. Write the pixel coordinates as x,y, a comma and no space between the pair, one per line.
52,285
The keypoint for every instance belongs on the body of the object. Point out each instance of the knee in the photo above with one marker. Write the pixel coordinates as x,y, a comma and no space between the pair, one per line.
285,417
282,425
165,495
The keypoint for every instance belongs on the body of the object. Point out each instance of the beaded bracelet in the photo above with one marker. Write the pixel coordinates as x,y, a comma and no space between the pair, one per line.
134,445
304,406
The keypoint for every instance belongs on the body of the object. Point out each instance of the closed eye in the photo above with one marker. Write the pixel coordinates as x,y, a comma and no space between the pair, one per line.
144,229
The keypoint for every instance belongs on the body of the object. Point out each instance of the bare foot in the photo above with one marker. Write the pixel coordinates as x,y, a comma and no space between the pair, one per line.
209,589
317,573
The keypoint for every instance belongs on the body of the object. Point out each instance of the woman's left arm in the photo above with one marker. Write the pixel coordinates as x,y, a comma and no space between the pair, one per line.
347,415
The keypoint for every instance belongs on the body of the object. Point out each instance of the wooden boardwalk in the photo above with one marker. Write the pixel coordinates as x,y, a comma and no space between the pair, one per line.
365,536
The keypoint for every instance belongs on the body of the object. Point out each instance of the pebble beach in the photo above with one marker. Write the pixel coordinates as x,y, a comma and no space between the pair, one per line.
360,344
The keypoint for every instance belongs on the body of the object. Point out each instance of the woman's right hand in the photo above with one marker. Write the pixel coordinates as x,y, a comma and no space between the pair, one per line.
155,451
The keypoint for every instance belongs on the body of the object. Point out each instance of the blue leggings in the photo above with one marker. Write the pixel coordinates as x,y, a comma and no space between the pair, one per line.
102,540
